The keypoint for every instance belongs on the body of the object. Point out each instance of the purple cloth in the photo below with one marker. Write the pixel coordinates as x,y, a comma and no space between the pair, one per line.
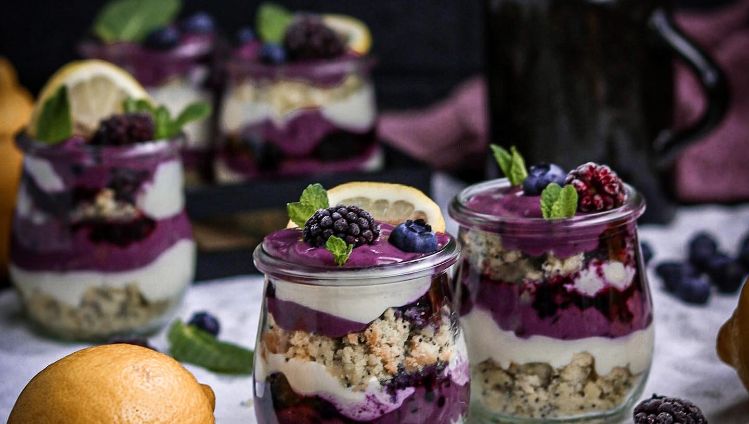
450,132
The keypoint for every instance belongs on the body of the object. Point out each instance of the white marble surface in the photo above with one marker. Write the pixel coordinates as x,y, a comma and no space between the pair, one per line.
685,362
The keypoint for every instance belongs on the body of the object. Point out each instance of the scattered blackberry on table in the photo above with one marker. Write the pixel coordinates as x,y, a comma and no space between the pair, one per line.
272,54
309,38
414,236
164,38
598,187
701,248
351,223
121,130
198,23
743,255
726,273
540,176
206,322
667,410
647,252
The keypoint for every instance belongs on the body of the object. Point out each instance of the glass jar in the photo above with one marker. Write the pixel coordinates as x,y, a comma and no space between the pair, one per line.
557,314
100,244
174,78
379,344
297,119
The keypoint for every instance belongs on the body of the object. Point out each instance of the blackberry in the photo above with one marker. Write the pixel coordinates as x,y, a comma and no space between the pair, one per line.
120,130
309,38
598,187
351,223
667,410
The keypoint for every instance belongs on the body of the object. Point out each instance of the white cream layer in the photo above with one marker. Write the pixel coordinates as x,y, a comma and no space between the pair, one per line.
162,197
308,378
43,174
363,303
162,279
177,94
486,340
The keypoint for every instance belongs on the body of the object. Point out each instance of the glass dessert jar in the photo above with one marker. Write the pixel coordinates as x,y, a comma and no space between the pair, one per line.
100,244
174,77
557,313
297,118
375,341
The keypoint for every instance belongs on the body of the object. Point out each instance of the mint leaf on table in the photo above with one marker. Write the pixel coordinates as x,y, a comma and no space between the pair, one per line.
511,163
558,202
313,197
195,346
272,21
55,123
340,249
133,20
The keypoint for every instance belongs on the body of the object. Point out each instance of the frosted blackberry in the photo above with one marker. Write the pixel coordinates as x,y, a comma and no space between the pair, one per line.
309,38
598,187
667,410
120,130
352,224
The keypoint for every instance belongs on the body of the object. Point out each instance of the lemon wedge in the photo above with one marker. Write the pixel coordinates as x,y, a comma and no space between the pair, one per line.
354,31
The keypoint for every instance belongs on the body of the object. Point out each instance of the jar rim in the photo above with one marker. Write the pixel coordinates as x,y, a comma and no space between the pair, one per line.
198,46
71,149
427,265
633,208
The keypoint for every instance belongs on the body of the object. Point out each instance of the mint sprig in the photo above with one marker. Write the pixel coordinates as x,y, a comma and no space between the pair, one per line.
271,22
55,123
558,202
193,345
340,249
313,197
511,163
133,20
164,126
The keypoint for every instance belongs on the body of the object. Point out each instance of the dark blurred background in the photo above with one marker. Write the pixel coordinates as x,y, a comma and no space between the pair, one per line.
424,47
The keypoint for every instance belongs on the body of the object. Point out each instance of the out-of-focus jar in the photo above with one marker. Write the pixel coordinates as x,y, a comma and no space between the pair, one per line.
376,341
557,313
297,118
101,244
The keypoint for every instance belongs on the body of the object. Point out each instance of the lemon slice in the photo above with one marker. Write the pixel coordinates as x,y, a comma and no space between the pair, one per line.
96,90
356,33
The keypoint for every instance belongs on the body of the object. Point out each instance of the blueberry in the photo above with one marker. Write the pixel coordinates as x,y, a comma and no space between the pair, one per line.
245,35
647,252
198,23
206,322
673,273
726,273
541,175
701,248
694,289
164,38
414,236
743,256
272,54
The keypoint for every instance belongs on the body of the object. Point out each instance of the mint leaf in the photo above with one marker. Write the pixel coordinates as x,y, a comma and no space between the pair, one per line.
55,123
340,250
131,105
313,197
193,112
191,344
558,202
164,126
162,122
511,163
272,21
133,20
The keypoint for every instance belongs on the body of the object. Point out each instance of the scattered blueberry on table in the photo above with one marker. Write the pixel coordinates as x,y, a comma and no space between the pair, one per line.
206,322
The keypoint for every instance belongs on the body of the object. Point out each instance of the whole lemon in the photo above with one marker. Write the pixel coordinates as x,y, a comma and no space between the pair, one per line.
117,383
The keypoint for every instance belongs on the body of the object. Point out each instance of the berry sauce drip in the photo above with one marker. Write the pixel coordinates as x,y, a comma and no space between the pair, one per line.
351,223
599,188
122,130
309,38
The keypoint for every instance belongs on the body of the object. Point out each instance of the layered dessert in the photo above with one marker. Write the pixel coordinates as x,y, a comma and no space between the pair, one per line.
556,307
173,58
101,244
299,99
361,332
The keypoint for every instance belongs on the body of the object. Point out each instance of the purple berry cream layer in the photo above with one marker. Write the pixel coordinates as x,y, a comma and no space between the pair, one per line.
375,340
101,244
556,312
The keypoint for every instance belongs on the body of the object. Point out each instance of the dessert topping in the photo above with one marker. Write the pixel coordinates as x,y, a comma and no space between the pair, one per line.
540,176
206,322
339,249
133,20
120,130
164,38
558,202
308,37
54,123
598,187
351,224
164,126
511,163
272,21
414,236
668,410
313,197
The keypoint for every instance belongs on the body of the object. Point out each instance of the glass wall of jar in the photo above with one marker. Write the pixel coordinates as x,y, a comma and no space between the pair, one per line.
557,314
100,244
